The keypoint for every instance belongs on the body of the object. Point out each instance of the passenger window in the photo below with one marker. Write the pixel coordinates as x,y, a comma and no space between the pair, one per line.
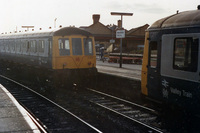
4,45
1,46
24,46
64,48
27,46
41,46
8,46
33,46
18,46
76,46
153,54
12,46
186,54
88,46
50,47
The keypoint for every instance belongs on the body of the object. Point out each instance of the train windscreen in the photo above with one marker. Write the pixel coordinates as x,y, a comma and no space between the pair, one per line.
64,48
88,46
76,46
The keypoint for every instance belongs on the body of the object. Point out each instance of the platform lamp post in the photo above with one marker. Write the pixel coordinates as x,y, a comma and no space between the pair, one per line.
121,33
55,22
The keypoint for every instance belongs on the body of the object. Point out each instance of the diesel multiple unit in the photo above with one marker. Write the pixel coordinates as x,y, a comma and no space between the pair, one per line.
171,63
67,53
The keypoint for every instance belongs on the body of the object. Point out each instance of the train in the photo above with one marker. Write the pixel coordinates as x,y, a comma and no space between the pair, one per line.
64,55
171,61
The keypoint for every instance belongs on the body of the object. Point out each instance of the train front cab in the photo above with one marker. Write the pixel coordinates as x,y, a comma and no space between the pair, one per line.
171,66
171,63
73,52
74,57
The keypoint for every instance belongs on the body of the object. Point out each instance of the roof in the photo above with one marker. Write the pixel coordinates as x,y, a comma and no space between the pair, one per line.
187,18
98,29
71,31
138,31
58,32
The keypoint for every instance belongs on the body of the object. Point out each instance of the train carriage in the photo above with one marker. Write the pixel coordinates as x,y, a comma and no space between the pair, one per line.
171,63
66,53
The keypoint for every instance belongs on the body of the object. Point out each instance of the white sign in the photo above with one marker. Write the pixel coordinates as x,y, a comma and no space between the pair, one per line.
120,34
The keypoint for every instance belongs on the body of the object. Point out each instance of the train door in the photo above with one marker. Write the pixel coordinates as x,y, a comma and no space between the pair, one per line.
153,76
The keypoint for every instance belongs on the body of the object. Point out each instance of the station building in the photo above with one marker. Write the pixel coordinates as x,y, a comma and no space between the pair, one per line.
105,36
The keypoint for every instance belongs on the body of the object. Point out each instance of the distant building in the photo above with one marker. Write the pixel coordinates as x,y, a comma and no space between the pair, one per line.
135,38
101,32
105,35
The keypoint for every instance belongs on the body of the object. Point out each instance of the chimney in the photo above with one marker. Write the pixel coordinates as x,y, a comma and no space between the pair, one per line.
119,24
96,18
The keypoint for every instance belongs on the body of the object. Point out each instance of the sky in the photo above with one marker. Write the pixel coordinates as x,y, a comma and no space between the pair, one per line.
42,13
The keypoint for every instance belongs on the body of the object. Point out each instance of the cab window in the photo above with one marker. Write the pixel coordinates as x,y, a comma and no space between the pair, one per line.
64,48
186,54
88,49
76,46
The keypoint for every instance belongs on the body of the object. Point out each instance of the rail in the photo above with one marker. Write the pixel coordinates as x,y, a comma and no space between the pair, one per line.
137,113
55,104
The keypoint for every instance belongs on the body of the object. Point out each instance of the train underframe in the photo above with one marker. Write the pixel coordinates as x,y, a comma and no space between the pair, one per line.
46,77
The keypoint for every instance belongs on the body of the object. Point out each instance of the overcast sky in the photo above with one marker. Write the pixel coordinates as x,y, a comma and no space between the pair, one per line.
42,13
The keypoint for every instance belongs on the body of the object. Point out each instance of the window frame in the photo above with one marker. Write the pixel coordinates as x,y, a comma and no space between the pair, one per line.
190,61
33,49
86,42
75,48
62,49
41,46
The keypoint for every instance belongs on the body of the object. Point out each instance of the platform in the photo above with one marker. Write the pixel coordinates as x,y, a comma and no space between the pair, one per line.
130,71
13,117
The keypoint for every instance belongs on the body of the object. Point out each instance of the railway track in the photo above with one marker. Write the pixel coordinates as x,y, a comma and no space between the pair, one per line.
87,104
93,111
53,117
139,114
59,118
104,112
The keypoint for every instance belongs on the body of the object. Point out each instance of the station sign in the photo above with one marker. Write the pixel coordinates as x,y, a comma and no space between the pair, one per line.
120,34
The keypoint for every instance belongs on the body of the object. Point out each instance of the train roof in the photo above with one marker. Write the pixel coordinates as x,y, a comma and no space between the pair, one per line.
58,32
182,19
